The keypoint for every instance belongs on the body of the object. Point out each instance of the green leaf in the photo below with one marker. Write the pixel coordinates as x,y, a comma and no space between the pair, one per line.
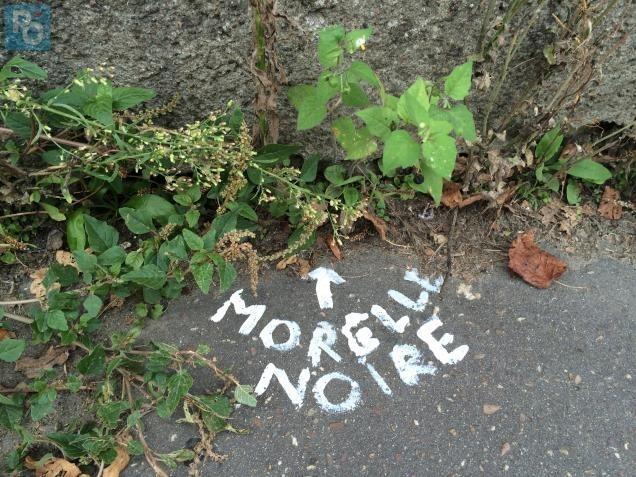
101,236
193,240
432,185
11,349
85,261
42,403
113,256
100,107
311,111
18,67
400,150
178,386
591,171
351,196
148,276
110,412
457,84
11,411
125,98
439,154
93,305
192,217
573,192
360,71
202,273
53,212
297,94
271,154
549,144
243,395
227,273
336,174
355,96
329,50
75,234
310,168
155,206
65,275
378,120
358,142
56,320
414,104
138,221
183,199
93,363
20,124
135,259
460,117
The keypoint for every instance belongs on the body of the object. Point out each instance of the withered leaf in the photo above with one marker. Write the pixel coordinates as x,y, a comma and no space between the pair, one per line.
54,467
4,334
333,246
379,224
491,409
610,207
32,367
451,195
537,267
117,465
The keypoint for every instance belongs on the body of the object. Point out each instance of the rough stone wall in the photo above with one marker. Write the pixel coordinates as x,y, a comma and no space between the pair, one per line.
200,48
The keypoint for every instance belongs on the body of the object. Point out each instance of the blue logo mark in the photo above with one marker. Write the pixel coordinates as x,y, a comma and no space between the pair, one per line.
27,27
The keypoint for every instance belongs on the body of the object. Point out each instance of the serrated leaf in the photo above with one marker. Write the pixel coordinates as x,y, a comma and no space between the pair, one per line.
414,104
355,96
457,84
591,171
93,363
400,150
360,71
227,274
461,119
243,395
56,320
311,111
42,403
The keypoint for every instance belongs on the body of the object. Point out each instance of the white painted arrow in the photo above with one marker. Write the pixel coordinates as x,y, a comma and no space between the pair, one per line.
324,277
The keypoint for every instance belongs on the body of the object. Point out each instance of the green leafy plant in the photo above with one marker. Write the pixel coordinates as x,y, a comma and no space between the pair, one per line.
417,130
558,172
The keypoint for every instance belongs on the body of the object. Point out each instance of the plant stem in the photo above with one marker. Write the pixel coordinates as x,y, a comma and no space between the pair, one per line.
21,319
19,302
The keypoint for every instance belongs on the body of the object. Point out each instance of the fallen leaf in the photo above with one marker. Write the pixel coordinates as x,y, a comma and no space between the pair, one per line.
451,195
439,239
491,409
117,465
54,467
379,224
32,367
465,290
285,262
505,448
537,267
610,207
333,246
65,258
300,265
36,287
4,334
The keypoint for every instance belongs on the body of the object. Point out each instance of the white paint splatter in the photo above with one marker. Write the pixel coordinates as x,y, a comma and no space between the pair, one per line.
465,290
322,339
296,394
363,342
349,404
254,312
324,277
267,335
395,326
425,333
376,376
406,359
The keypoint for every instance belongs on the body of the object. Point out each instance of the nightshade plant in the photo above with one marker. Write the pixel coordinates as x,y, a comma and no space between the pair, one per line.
417,129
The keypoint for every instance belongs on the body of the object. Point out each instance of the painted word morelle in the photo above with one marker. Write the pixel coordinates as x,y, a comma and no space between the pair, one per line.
407,358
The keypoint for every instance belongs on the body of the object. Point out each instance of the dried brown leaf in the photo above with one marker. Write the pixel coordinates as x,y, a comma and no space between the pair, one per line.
333,246
65,258
610,207
451,195
36,287
491,409
32,367
537,267
117,465
505,448
379,224
4,334
54,467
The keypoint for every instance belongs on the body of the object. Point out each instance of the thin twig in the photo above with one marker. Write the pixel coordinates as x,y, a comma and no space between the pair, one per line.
19,302
449,252
21,319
